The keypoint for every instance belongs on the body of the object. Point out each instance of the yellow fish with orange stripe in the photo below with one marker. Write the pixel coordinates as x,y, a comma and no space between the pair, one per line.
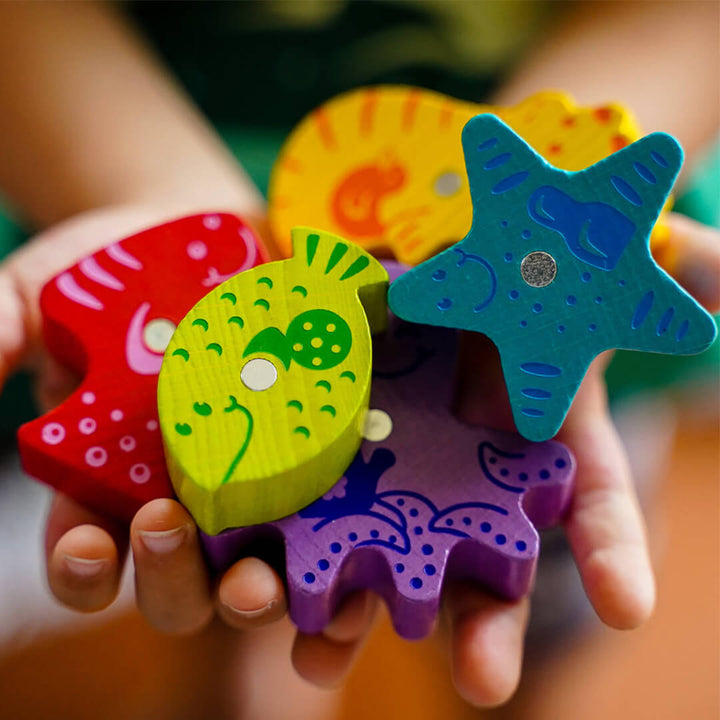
384,166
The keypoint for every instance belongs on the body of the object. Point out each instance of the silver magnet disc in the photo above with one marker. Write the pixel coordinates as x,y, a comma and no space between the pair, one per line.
538,269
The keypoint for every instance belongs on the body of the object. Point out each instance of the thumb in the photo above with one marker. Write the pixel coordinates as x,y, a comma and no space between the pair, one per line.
694,253
16,336
23,274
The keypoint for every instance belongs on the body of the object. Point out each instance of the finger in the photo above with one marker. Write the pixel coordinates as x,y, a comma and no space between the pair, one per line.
251,595
487,644
66,514
694,257
83,569
325,658
13,329
604,526
84,555
171,582
54,384
480,396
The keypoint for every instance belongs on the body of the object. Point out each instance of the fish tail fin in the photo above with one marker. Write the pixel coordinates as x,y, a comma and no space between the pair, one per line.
347,267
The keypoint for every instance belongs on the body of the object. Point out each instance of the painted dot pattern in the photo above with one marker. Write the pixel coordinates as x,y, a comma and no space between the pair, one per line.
314,334
87,426
96,456
140,473
197,250
53,433
128,443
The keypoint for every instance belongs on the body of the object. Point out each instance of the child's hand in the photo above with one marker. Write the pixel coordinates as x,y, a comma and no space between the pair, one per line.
86,552
604,525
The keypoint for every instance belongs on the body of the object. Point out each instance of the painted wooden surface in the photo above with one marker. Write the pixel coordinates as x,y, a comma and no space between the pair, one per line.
557,268
109,318
384,167
265,383
427,499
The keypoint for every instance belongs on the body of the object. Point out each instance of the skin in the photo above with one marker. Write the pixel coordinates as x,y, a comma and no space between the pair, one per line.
97,188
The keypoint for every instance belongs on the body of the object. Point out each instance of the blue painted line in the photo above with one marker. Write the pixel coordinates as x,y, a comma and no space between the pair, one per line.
644,173
682,331
626,190
532,412
665,321
487,144
497,161
642,309
541,369
659,159
510,182
536,393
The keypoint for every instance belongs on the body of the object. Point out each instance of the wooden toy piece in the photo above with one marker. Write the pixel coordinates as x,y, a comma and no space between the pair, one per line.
266,381
427,499
383,166
557,268
108,318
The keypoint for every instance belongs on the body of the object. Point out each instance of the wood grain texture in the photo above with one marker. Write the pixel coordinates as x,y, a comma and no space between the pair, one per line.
109,318
384,167
427,499
557,268
265,383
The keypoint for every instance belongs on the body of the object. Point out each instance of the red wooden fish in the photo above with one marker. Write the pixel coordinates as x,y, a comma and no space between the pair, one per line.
109,318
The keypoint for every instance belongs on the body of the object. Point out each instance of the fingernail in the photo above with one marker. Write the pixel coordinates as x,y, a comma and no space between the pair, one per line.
250,614
163,542
84,567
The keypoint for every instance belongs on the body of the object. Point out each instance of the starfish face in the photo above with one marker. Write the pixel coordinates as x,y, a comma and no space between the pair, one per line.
557,268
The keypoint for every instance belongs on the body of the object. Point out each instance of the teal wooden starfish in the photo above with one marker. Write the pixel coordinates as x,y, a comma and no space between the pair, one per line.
557,268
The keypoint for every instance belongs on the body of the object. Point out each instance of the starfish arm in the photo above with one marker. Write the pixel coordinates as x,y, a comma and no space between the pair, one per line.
636,181
661,317
541,385
497,160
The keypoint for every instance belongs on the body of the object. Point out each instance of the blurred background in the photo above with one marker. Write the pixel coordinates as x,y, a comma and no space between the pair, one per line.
256,68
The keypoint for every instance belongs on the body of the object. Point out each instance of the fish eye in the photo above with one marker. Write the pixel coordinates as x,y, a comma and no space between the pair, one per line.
157,334
258,374
447,184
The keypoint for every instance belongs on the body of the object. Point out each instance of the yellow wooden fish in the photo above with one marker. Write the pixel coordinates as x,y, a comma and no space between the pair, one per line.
265,383
384,166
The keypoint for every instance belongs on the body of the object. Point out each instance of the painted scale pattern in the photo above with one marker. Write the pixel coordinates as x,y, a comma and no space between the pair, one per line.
383,166
557,268
265,382
428,500
109,318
